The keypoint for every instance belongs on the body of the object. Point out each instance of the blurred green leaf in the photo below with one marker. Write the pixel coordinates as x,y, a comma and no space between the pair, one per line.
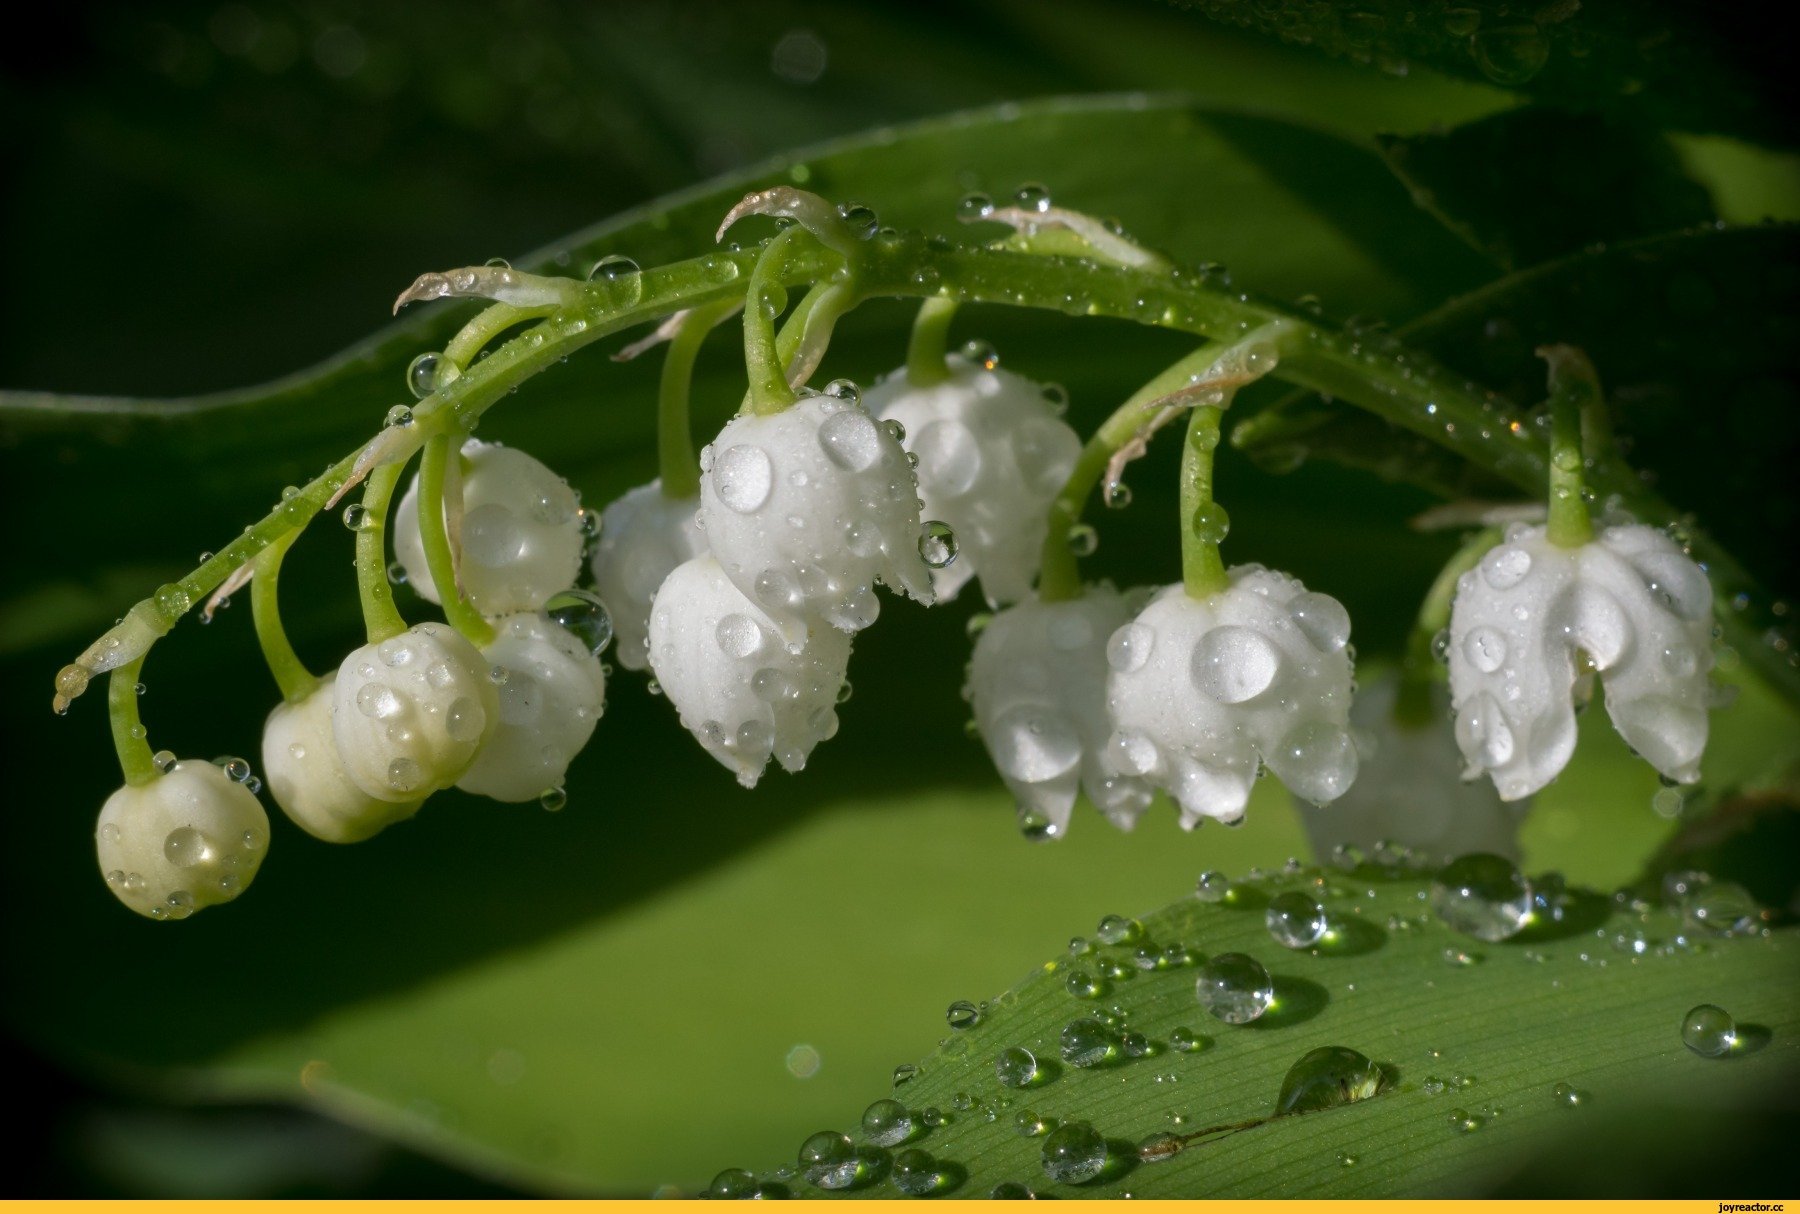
1669,64
1474,1039
1530,184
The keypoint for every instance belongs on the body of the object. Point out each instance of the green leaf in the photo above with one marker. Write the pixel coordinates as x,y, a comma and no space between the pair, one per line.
1480,1045
1665,63
1530,184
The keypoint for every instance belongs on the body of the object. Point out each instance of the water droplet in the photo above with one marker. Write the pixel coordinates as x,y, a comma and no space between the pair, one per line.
1117,495
426,372
1235,988
887,1123
1159,1147
905,1073
186,847
974,206
1295,920
962,1015
164,760
1233,663
1568,1096
743,477
357,517
1510,54
1016,1067
1466,1122
1720,908
399,415
1032,197
583,616
553,799
1211,523
1485,648
1074,1153
1212,886
1083,985
404,775
1709,1031
1483,896
937,544
1087,1042
1322,619
1505,567
851,440
1118,929
828,1160
915,1173
1083,539
733,1184
1325,1078
1129,648
236,770
1185,1040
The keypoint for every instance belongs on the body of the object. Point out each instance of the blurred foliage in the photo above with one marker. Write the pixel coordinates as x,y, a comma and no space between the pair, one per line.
208,196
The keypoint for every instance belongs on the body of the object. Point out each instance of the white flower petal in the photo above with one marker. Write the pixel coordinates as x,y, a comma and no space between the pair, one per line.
307,779
807,508
744,690
1201,691
1637,609
992,454
1409,789
1037,683
551,698
190,838
643,536
520,534
410,713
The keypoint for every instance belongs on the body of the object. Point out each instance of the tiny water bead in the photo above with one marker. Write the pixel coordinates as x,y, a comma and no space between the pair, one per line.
1235,988
1083,539
962,1015
583,616
1325,1078
1212,886
1074,1153
915,1173
1159,1147
1568,1096
887,1123
428,372
1709,1031
1720,908
1029,1125
1087,1043
1295,920
1118,929
1016,1067
1484,896
1186,1041
1010,1190
937,544
1466,1122
733,1184
828,1160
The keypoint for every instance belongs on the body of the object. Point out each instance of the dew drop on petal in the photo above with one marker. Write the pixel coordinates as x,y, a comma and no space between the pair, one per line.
1233,663
743,477
851,440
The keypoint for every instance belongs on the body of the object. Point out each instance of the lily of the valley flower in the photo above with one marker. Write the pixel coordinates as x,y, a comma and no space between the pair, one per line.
307,778
1408,788
747,692
190,838
644,534
1204,691
1534,618
1037,682
807,508
992,453
552,691
520,534
410,713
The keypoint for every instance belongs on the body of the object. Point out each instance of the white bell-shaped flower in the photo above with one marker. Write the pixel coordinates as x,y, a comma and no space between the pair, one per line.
643,536
992,454
190,838
1037,682
1533,619
409,713
1410,790
1203,692
307,779
743,689
807,508
552,691
520,533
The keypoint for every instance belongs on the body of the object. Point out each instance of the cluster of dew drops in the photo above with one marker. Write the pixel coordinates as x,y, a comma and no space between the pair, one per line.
1485,898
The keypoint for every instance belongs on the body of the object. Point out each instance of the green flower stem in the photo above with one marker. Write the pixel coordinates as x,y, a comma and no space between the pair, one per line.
440,449
127,730
380,617
291,674
1202,569
763,299
1420,668
927,363
677,465
1574,389
492,321
1059,576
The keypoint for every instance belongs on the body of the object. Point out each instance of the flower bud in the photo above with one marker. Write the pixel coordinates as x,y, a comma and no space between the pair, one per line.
410,713
190,838
307,779
520,534
741,688
1203,692
1533,619
1037,682
643,536
1409,788
807,508
551,697
992,454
